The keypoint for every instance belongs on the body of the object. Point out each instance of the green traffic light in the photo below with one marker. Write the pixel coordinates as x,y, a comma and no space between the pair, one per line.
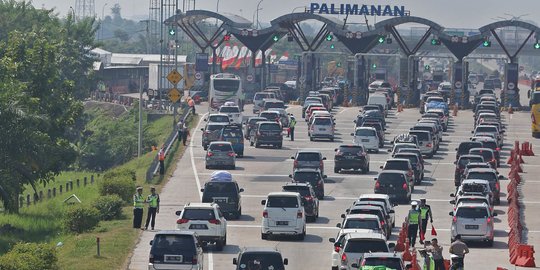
433,42
373,66
329,37
332,46
275,38
381,39
486,43
537,45
338,64
427,67
172,32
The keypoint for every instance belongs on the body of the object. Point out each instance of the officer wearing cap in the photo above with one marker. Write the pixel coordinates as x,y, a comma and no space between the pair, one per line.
413,220
138,204
425,212
153,208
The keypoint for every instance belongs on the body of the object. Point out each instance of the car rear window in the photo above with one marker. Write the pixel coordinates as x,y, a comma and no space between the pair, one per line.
472,212
272,105
261,261
322,121
412,159
391,178
229,110
389,263
466,160
284,201
482,175
173,245
396,165
307,177
198,214
377,126
270,126
422,136
254,121
464,147
218,118
370,224
488,155
223,147
220,187
308,157
304,191
365,246
232,133
269,115
486,129
214,127
365,132
350,149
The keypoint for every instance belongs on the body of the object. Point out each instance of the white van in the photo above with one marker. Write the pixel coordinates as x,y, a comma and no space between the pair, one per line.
258,100
366,136
379,100
283,214
322,127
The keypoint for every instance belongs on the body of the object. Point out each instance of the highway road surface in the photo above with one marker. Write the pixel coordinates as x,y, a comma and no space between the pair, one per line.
264,170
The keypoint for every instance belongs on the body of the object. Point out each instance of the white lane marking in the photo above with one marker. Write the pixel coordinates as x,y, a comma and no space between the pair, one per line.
198,181
344,110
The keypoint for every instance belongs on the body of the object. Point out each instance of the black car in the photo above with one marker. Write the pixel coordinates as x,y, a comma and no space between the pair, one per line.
490,175
352,157
312,176
460,166
260,258
251,124
226,193
309,198
394,184
464,148
416,164
268,133
175,249
375,114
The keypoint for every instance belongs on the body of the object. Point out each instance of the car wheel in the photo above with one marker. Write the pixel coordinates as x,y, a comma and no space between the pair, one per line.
377,151
335,268
241,154
279,146
302,236
367,168
207,167
422,177
257,145
219,245
332,139
264,236
310,138
336,170
430,155
205,148
490,243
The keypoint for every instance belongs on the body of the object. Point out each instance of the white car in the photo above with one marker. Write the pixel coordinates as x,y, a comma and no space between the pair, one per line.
366,136
321,127
206,220
381,198
336,260
233,112
374,86
379,99
283,214
353,245
474,222
362,221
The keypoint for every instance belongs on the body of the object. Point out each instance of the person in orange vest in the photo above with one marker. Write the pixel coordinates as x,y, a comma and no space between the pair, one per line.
161,158
191,105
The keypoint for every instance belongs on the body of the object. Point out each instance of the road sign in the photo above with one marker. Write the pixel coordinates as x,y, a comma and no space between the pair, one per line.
174,77
198,76
201,62
511,86
458,84
174,95
249,78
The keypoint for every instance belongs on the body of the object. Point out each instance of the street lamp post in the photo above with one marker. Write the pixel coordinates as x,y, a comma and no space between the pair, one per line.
102,19
258,5
217,10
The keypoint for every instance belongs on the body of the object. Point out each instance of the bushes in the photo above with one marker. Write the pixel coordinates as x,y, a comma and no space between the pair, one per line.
30,256
109,207
119,182
81,218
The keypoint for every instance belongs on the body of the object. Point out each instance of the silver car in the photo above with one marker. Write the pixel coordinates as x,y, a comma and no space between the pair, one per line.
474,222
220,154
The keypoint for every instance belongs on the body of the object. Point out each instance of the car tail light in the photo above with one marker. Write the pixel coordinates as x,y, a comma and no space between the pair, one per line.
339,153
299,214
214,221
493,160
454,219
321,164
343,257
296,163
497,186
404,186
377,185
209,154
488,220
429,145
151,258
194,261
382,223
230,154
320,183
182,221
308,198
336,249
497,149
265,214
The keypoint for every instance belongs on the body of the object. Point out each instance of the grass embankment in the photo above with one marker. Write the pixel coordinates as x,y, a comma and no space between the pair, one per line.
43,222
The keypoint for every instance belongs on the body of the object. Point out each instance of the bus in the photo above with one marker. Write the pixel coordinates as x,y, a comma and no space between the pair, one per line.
225,87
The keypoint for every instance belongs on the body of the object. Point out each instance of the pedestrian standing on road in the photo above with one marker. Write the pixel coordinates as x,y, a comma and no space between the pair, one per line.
436,253
179,128
191,105
161,158
185,134
153,208
425,213
413,221
292,125
138,205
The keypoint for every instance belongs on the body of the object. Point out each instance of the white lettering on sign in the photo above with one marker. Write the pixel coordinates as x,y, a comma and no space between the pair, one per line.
355,9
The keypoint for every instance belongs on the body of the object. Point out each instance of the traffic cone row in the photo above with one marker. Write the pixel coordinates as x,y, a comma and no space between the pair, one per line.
402,238
414,262
526,149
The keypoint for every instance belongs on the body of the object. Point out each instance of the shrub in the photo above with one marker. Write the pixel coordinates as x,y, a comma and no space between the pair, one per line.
120,184
109,207
120,173
81,218
30,256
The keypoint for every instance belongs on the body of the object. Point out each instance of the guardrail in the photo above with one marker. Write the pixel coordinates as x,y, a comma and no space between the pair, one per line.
156,105
40,196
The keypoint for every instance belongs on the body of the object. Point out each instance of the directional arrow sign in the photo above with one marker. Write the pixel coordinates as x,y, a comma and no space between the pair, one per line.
174,95
174,77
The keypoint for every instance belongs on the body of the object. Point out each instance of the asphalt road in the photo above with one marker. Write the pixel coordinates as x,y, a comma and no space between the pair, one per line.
264,170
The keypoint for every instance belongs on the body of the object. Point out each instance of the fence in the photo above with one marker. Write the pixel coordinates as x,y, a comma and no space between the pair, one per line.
52,193
156,105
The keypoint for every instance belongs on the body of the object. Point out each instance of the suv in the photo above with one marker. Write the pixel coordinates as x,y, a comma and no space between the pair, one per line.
251,124
371,209
460,166
272,116
206,220
352,157
234,135
220,154
416,164
368,137
309,199
474,222
355,244
362,221
384,199
269,133
491,176
400,164
308,159
322,127
378,126
174,249
258,100
425,142
405,138
283,214
218,118
464,147
312,176
211,133
394,184
488,154
260,258
233,112
224,191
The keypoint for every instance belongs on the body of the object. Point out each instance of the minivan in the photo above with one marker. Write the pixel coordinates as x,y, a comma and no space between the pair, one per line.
283,214
425,142
394,184
258,100
322,127
224,191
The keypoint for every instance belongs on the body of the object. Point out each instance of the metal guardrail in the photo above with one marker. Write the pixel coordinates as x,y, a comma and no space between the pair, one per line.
155,105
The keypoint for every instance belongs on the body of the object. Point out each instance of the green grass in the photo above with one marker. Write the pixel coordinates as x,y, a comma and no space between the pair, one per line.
42,222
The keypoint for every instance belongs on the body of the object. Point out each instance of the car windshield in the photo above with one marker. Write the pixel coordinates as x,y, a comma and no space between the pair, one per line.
229,109
365,132
270,127
285,202
218,118
198,214
396,165
366,245
220,187
389,263
370,224
391,178
304,191
322,121
261,261
308,157
173,244
472,212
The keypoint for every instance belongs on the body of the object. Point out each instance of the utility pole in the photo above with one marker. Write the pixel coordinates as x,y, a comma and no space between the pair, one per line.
139,143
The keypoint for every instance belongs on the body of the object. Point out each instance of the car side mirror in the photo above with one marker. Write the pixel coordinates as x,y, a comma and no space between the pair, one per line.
391,211
389,150
455,162
178,213
205,120
455,149
342,215
408,266
332,240
241,190
151,242
375,178
202,129
384,129
338,225
495,214
501,176
292,157
380,167
354,121
324,158
290,175
234,261
325,176
263,202
202,189
451,213
335,150
391,245
354,265
472,132
452,201
395,204
452,195
352,134
285,261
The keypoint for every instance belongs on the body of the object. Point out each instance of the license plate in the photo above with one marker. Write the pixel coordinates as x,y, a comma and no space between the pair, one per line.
391,185
391,195
349,157
322,129
173,258
365,140
220,200
471,227
282,223
198,227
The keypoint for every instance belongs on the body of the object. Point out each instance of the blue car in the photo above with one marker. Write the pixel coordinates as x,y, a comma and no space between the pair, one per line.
234,135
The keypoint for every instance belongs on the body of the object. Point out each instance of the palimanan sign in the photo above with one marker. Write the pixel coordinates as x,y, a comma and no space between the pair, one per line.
357,9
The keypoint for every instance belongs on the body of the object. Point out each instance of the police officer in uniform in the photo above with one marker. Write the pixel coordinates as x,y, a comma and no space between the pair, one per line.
425,212
413,220
138,205
292,124
153,208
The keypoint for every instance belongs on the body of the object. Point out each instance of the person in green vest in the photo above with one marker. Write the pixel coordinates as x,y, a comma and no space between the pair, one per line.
425,213
292,124
153,208
414,221
429,263
138,205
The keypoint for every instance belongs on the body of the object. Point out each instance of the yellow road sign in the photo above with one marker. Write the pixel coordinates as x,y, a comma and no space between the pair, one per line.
174,95
174,77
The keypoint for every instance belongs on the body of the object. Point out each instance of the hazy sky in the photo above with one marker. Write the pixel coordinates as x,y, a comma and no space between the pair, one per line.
448,13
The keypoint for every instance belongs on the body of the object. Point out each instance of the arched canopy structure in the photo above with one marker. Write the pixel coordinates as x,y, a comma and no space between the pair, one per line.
490,30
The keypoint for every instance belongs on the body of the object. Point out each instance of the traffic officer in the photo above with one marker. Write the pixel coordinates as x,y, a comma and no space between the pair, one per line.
138,204
413,221
292,124
161,158
153,207
425,212
429,263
